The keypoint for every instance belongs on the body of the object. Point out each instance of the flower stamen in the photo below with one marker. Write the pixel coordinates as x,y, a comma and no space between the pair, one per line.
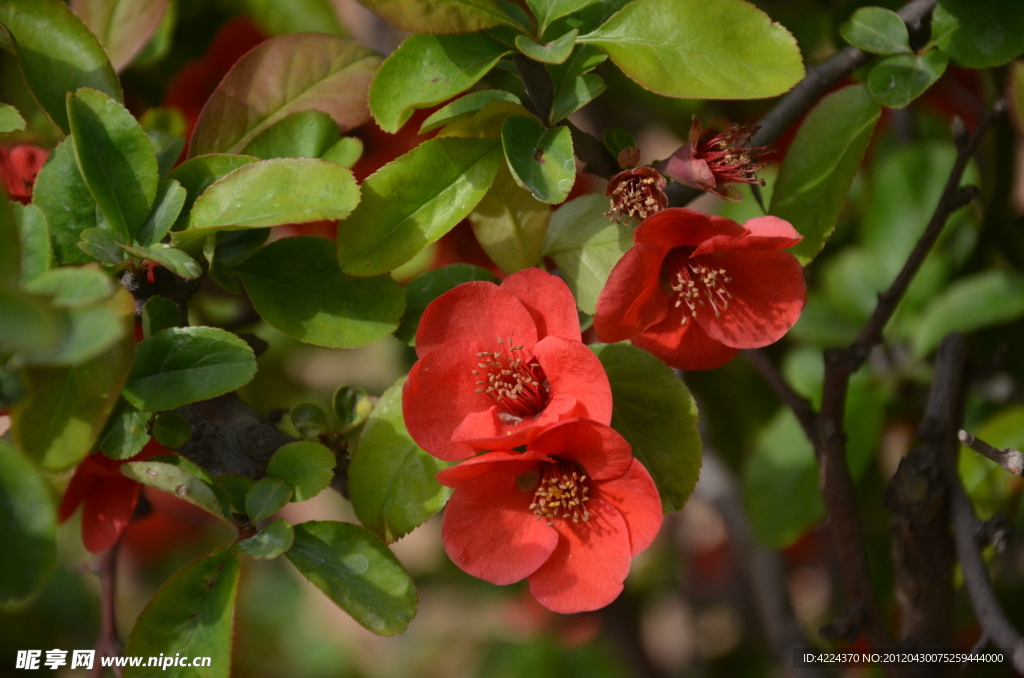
695,281
563,493
517,386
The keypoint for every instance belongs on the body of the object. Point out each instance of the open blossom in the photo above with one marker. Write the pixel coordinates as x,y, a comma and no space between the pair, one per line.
710,160
569,514
498,364
696,288
636,192
19,166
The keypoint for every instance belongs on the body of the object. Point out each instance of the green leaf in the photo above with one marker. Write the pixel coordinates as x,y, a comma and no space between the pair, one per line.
693,49
171,430
439,16
159,313
583,60
877,30
352,407
166,147
126,434
346,152
251,196
898,80
576,95
57,54
547,11
122,26
654,411
61,195
306,134
285,75
390,479
541,159
198,174
270,542
182,365
102,245
266,497
36,253
28,528
167,256
465,106
993,297
983,33
586,245
357,572
10,248
115,158
424,289
815,178
234,488
510,223
170,198
305,465
10,119
554,52
192,615
296,286
73,287
175,478
278,17
309,420
427,70
414,200
83,332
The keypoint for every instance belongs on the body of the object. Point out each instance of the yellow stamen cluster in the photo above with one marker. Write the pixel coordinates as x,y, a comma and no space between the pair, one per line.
696,282
563,493
511,382
634,197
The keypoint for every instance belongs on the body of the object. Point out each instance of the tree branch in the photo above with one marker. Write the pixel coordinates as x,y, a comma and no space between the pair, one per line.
109,643
1010,459
801,407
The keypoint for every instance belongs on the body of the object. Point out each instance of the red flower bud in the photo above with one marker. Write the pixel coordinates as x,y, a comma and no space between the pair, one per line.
19,166
710,160
637,192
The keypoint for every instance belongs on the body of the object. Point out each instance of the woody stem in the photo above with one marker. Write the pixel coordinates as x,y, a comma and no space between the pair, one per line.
109,643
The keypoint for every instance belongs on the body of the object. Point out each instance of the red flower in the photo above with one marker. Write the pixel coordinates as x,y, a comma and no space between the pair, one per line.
711,159
498,364
19,166
569,514
108,497
695,289
636,192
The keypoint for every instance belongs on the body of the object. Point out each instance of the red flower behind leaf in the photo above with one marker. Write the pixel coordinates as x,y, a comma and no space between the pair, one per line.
696,288
711,159
498,364
569,514
107,497
19,166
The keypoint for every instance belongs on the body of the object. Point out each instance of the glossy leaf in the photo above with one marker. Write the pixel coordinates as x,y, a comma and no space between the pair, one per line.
510,224
76,287
266,497
422,290
115,158
391,480
159,313
586,245
57,54
192,614
170,198
285,75
414,200
174,477
980,33
306,134
270,542
234,488
28,528
547,11
439,16
10,119
352,407
169,257
877,30
816,176
171,430
126,434
981,300
655,412
61,195
358,572
583,60
101,244
465,106
306,466
295,285
427,70
199,173
541,159
122,26
898,80
167,148
309,420
576,95
554,52
346,152
694,49
181,365
36,252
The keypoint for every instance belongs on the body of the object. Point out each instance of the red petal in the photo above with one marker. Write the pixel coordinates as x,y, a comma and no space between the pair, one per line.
636,497
766,233
586,570
680,227
484,431
685,347
632,299
600,449
490,532
548,300
78,489
506,462
768,294
478,311
573,369
108,510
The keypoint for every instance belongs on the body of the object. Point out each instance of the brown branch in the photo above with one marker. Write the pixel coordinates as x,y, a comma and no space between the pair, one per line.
801,407
109,643
1010,459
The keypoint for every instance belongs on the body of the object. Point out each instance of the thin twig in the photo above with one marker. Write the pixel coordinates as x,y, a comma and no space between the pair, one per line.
109,643
801,407
1010,459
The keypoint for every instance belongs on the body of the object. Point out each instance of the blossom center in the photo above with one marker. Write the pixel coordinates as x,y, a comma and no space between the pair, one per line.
563,493
696,281
636,193
517,385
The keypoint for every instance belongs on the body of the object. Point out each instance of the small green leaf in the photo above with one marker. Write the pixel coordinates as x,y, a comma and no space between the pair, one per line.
122,26
898,80
170,198
181,365
270,542
583,60
554,52
61,195
167,148
547,11
980,33
235,487
427,70
198,174
464,107
57,54
346,152
115,158
414,200
101,244
541,159
654,411
281,76
191,614
266,497
175,478
84,332
439,16
296,286
306,466
168,257
126,434
586,245
576,95
159,313
692,49
510,224
10,119
993,297
617,139
391,480
878,31
305,134
815,178
36,253
424,289
358,572
28,528
73,287
352,407
171,430
309,420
